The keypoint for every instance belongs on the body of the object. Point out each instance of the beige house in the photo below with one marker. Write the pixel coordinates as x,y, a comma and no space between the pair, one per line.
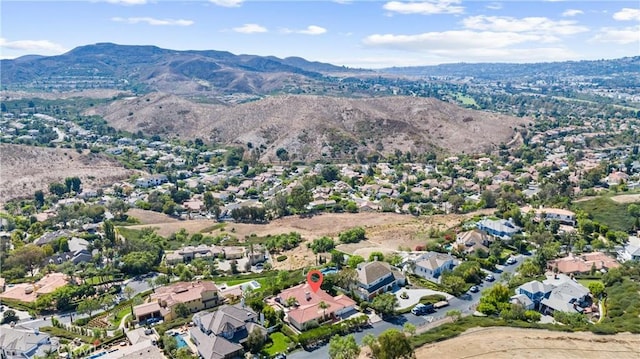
161,304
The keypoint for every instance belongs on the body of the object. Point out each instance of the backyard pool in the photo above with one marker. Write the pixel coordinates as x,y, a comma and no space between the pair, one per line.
180,341
97,355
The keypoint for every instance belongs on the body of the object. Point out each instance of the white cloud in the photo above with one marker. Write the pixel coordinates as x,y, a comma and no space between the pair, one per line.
425,7
313,30
622,36
538,25
572,12
127,2
627,14
310,30
153,21
494,6
343,2
250,29
227,3
32,46
447,40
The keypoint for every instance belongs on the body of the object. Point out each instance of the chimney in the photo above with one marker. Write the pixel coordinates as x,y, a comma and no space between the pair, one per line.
307,294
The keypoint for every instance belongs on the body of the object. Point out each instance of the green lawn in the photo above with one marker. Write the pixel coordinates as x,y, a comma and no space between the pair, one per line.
606,211
466,100
120,314
586,282
97,280
233,282
279,344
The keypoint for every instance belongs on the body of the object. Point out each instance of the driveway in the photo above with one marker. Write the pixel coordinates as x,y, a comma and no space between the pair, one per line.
415,295
465,304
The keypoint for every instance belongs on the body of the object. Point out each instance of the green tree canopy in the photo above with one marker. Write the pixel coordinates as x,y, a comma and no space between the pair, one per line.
343,347
392,344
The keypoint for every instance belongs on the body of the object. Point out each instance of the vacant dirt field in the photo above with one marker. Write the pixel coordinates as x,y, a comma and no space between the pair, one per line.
626,198
26,169
386,232
496,343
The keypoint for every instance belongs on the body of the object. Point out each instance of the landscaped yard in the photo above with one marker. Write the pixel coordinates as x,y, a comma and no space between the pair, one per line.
279,344
586,282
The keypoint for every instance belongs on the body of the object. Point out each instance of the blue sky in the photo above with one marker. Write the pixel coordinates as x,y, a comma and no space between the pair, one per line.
355,33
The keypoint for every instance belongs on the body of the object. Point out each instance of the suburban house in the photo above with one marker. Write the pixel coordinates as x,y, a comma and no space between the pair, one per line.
52,236
557,292
376,278
28,293
151,181
498,227
563,216
582,263
631,251
473,240
195,295
431,265
75,257
616,178
189,253
219,335
307,310
21,343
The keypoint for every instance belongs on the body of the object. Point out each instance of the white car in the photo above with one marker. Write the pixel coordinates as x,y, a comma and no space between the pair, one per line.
511,260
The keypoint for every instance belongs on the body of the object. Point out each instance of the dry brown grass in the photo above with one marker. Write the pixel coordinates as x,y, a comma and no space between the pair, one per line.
626,198
304,125
26,169
497,343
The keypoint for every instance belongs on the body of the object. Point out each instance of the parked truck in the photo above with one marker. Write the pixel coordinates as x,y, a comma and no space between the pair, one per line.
440,304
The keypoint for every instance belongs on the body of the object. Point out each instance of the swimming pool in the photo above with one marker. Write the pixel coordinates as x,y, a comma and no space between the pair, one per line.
97,355
180,341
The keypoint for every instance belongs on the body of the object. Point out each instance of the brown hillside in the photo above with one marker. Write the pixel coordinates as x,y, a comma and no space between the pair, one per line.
25,169
313,127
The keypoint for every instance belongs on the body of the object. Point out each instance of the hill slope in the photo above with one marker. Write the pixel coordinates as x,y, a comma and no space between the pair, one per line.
315,127
150,68
26,169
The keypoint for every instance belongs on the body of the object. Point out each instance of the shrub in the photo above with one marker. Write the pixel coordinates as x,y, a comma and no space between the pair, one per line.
281,258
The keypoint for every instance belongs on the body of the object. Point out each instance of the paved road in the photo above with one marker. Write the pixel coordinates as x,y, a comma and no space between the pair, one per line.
464,304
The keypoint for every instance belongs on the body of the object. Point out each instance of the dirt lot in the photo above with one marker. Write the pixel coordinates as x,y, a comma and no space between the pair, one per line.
626,198
496,343
386,232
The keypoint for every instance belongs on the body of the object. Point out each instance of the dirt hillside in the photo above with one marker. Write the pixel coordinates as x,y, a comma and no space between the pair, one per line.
318,127
498,343
25,169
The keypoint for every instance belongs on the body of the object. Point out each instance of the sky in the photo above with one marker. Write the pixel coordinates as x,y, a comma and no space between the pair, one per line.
354,33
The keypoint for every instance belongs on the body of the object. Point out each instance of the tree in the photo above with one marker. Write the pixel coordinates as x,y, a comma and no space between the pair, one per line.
385,304
9,316
299,198
256,340
324,306
343,347
409,328
38,196
109,232
596,288
118,208
353,235
454,313
322,244
454,284
89,306
330,173
354,260
282,154
495,300
392,344
182,310
634,211
29,257
376,256
57,189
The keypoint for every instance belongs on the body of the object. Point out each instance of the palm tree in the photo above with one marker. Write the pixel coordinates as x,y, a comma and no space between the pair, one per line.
322,305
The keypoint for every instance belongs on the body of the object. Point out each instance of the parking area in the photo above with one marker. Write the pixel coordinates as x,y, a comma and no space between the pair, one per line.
414,296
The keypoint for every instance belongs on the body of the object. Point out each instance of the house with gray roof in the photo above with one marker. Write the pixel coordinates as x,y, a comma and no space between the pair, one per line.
501,228
24,343
631,251
557,292
220,335
376,278
431,265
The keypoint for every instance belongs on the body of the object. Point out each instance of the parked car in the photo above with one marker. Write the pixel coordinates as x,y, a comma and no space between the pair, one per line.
474,289
421,309
511,260
280,356
490,278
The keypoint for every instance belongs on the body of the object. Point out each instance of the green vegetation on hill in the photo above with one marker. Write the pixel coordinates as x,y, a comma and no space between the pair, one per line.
606,211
